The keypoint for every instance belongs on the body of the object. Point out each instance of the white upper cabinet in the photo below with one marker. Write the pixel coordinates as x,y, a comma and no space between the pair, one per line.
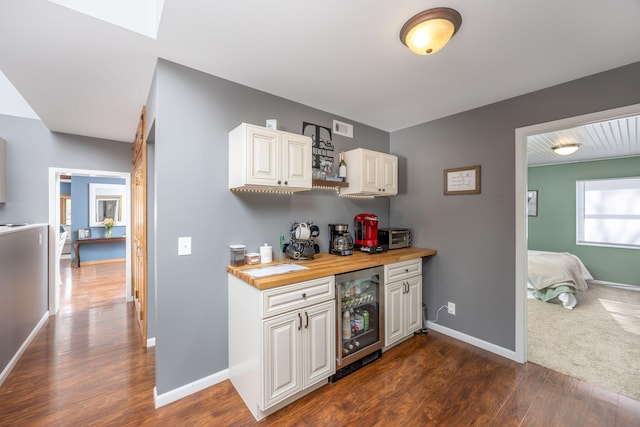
3,170
370,173
267,159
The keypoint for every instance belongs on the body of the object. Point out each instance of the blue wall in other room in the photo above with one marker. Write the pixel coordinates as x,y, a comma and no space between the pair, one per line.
80,219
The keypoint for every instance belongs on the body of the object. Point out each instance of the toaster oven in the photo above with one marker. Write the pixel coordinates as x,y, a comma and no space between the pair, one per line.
394,238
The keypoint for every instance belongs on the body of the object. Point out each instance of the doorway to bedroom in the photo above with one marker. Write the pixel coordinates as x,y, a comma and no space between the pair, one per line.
594,340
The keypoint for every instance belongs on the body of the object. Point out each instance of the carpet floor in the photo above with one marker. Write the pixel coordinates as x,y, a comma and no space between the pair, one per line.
598,341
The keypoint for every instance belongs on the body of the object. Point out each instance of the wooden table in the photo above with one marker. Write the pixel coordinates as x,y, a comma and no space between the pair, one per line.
78,242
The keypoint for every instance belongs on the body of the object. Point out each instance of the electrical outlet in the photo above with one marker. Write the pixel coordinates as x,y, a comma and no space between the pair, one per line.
451,308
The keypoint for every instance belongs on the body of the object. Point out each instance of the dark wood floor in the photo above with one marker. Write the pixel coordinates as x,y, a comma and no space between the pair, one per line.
87,367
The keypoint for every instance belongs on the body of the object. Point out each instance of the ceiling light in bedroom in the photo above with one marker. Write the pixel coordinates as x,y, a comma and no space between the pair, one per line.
430,30
565,149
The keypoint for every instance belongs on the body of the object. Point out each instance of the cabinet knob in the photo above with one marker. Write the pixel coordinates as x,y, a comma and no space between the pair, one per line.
286,183
279,182
406,270
304,295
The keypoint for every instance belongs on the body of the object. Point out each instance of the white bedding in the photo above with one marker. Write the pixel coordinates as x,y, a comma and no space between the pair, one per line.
557,274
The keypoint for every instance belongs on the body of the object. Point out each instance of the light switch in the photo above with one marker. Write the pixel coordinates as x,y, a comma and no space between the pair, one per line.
184,246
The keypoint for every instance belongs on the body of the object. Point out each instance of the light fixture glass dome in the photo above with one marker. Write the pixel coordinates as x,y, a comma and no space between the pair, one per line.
565,149
429,31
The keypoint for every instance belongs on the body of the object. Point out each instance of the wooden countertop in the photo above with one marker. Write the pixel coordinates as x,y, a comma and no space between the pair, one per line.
325,264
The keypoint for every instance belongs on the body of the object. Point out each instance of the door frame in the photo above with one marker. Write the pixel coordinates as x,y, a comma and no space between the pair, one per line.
54,222
521,206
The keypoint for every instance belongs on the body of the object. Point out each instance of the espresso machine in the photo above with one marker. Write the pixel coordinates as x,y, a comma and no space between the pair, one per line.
366,232
341,242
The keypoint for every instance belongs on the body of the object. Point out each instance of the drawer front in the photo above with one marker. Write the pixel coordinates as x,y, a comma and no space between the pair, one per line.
402,270
291,297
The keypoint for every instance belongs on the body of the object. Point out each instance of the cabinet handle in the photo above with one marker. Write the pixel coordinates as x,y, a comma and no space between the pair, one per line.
306,326
300,320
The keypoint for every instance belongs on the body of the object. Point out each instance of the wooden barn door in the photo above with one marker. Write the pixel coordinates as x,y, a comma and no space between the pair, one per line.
139,227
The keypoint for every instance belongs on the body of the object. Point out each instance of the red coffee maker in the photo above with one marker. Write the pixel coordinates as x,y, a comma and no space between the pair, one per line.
365,227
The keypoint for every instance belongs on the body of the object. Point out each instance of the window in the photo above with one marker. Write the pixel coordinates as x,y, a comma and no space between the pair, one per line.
608,212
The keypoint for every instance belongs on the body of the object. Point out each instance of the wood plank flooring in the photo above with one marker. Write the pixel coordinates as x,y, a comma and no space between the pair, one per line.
86,367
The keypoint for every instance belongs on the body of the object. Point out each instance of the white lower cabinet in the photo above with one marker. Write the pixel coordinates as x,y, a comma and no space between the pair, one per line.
403,300
297,351
281,341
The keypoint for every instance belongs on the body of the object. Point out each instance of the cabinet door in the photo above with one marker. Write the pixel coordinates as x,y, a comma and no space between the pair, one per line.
413,305
263,154
388,174
296,165
394,311
370,171
281,371
319,343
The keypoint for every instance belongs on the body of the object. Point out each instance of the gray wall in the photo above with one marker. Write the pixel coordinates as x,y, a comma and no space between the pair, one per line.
475,234
32,149
554,229
194,114
23,287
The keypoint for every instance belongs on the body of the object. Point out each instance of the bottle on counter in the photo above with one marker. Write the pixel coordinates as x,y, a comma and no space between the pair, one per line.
342,168
346,325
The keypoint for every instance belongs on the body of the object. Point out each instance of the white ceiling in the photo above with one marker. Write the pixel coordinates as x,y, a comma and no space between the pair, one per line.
84,76
608,139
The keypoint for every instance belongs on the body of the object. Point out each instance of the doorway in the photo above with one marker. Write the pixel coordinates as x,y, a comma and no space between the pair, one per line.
55,175
521,207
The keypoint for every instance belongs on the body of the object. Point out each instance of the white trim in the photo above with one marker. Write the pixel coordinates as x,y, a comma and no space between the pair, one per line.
188,389
54,218
500,351
616,285
151,342
521,219
7,370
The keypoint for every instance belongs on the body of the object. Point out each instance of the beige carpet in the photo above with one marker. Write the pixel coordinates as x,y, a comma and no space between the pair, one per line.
598,341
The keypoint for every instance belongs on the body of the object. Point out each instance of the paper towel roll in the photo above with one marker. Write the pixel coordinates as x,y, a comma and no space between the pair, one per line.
266,254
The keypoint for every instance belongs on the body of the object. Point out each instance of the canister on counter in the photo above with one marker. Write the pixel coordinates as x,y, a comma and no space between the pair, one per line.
236,253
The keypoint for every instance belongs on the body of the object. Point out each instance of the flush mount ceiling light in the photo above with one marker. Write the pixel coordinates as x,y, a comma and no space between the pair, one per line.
430,30
565,149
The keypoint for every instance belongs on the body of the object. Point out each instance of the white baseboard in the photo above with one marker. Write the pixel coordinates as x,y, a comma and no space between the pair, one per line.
23,347
500,351
151,342
187,389
616,285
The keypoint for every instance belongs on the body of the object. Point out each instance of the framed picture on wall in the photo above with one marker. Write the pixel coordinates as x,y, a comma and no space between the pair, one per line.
532,203
465,180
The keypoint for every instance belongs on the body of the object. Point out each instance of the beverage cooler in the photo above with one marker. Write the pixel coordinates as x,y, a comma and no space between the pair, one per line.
360,319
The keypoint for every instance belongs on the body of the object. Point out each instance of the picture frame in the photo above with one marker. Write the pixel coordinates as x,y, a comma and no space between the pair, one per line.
84,233
532,203
463,180
107,201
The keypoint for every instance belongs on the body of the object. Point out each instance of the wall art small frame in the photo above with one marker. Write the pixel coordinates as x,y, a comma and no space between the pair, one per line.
84,233
464,180
532,203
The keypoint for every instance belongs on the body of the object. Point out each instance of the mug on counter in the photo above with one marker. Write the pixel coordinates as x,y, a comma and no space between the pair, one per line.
302,231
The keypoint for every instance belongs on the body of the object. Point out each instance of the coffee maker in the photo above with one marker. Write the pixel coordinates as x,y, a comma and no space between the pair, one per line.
366,232
341,242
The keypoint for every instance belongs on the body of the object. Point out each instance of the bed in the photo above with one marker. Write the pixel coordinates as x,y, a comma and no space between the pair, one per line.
556,276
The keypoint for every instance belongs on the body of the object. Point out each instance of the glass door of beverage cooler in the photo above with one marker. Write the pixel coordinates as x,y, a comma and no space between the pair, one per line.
360,320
